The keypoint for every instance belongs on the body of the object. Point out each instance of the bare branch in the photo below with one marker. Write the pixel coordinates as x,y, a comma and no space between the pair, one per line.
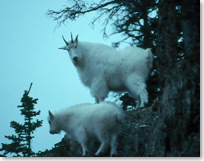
73,12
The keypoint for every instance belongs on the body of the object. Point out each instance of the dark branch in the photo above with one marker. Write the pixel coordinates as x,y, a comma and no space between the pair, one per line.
27,92
73,12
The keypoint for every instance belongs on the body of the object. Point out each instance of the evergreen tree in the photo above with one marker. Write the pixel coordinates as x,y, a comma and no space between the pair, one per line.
179,80
20,144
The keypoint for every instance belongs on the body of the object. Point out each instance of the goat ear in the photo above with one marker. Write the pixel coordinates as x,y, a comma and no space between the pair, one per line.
76,39
63,48
51,115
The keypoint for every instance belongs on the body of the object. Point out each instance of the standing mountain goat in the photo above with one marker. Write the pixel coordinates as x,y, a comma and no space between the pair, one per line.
88,121
105,69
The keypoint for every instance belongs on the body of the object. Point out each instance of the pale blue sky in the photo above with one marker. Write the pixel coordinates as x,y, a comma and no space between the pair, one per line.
29,53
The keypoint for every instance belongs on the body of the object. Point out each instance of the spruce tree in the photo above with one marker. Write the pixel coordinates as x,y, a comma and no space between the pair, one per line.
20,145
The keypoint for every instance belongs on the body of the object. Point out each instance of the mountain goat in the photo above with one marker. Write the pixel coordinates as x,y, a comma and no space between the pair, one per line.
103,69
84,122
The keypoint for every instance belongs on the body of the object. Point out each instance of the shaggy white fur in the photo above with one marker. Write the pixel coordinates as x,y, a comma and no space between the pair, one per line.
104,69
87,121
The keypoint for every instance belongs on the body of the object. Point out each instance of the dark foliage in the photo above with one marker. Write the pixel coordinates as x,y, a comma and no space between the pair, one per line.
21,142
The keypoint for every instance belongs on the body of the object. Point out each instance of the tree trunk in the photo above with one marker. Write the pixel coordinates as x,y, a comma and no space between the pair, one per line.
173,131
167,39
147,43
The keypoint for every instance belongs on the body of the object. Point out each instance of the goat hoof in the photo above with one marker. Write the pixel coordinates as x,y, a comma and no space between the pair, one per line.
114,155
97,154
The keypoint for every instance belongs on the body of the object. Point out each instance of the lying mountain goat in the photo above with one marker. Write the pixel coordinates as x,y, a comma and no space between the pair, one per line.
88,121
105,69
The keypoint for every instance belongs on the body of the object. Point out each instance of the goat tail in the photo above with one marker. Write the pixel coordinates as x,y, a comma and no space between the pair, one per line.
150,57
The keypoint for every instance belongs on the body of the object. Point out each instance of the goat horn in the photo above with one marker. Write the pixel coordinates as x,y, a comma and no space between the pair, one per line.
72,41
65,40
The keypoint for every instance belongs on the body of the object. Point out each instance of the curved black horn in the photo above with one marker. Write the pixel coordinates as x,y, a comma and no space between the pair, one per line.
72,41
65,40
